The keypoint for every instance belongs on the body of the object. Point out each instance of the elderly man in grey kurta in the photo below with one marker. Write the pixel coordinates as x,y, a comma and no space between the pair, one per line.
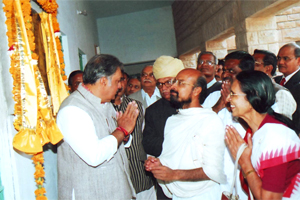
92,162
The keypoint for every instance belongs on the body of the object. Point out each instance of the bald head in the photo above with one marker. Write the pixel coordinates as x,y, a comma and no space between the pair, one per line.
188,87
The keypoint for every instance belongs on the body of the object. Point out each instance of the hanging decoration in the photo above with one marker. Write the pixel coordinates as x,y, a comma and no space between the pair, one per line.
34,119
39,176
56,84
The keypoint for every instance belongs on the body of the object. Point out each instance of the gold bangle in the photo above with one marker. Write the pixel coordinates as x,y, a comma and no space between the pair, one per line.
249,172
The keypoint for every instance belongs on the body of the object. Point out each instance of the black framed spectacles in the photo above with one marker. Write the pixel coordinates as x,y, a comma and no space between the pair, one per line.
167,84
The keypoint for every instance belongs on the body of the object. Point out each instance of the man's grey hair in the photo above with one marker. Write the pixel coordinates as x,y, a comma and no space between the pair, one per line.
295,47
99,66
207,53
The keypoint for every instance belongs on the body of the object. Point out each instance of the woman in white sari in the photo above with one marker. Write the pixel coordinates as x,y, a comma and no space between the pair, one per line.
270,164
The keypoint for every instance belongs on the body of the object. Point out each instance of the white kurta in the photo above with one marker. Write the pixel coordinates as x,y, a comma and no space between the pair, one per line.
228,119
194,138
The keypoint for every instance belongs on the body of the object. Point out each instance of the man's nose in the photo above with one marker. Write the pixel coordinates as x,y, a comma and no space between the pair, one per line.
228,98
280,62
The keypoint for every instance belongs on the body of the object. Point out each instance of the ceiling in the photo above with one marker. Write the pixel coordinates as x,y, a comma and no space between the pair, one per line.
108,8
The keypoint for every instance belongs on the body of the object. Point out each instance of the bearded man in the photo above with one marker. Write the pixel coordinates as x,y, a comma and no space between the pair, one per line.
191,163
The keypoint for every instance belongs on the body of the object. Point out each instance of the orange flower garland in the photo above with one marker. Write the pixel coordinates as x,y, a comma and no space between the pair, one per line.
15,64
50,6
39,175
46,126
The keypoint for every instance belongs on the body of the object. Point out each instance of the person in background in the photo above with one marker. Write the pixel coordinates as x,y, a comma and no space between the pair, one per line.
133,85
149,92
207,65
165,69
219,70
75,79
270,164
266,62
288,61
235,62
141,180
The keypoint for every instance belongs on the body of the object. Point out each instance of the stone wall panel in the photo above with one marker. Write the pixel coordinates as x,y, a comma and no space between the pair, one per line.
293,17
197,22
290,35
296,9
269,36
281,18
273,48
257,24
252,38
253,47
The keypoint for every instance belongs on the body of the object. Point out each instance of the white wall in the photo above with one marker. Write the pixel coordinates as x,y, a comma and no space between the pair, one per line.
81,31
138,37
16,168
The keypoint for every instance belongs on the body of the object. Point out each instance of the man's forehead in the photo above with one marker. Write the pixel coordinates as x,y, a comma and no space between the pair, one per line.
165,79
207,56
134,81
287,50
186,75
78,76
147,69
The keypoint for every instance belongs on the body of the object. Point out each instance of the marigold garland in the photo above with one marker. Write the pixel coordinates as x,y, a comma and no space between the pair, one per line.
50,6
46,126
39,175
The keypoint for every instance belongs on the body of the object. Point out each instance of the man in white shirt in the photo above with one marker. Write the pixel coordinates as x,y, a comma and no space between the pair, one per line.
149,92
207,65
191,163
92,162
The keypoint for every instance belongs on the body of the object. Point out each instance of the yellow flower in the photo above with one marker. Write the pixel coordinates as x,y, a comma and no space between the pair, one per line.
40,191
41,198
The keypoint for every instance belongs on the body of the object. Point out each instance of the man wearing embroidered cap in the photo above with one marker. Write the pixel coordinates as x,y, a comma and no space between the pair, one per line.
165,69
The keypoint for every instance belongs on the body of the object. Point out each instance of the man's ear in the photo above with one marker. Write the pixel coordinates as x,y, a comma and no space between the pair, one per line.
298,60
103,81
269,69
197,91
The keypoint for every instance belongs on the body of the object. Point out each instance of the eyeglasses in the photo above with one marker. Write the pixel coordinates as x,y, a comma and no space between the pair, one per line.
167,84
146,75
208,62
181,83
284,58
233,94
